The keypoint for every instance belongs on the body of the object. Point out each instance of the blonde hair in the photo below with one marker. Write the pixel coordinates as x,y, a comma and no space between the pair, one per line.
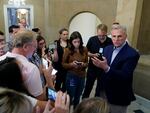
92,105
14,102
102,27
23,37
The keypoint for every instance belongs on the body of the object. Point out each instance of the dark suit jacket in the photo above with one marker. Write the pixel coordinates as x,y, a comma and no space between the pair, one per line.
118,80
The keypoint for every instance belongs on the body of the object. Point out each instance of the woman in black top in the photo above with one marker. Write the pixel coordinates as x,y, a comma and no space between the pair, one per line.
62,43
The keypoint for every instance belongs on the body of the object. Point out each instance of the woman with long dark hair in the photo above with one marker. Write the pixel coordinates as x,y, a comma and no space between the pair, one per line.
75,60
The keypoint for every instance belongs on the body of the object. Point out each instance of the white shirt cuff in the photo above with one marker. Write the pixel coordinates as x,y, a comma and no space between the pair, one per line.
107,69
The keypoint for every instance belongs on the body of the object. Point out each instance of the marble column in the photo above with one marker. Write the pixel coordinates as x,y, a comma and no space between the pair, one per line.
129,14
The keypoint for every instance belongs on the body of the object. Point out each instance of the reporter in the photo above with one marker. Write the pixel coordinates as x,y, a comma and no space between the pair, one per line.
75,61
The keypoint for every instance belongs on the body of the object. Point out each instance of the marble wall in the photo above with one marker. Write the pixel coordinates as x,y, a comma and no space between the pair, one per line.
144,32
129,14
61,12
51,15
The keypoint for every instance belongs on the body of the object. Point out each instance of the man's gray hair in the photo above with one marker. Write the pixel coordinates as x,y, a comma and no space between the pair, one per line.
23,37
123,28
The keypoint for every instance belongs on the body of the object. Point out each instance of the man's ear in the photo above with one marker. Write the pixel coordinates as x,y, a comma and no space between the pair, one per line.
25,47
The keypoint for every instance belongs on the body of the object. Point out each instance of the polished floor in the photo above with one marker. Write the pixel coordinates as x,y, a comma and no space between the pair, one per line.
141,105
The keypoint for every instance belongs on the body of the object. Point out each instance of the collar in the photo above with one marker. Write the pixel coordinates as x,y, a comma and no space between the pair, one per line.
16,55
120,47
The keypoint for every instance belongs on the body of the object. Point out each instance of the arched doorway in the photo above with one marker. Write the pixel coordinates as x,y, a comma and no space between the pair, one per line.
85,23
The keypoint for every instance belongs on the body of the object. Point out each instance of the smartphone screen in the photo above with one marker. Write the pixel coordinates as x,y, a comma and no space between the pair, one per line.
51,94
54,71
100,54
45,63
101,50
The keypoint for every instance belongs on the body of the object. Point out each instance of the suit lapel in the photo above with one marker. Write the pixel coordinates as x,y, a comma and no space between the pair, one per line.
109,54
120,55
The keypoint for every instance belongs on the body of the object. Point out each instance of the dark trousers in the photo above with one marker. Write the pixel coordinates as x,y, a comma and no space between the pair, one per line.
74,85
92,75
60,81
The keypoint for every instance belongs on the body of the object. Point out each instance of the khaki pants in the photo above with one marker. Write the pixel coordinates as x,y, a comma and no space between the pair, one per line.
117,109
114,108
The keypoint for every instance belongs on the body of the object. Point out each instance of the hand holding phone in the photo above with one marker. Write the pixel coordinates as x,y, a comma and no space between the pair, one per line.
54,71
100,57
78,63
51,94
45,63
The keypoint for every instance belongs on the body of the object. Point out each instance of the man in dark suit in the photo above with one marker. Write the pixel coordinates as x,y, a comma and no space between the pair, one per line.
118,63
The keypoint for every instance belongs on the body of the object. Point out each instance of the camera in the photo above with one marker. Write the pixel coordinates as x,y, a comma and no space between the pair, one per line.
51,94
51,47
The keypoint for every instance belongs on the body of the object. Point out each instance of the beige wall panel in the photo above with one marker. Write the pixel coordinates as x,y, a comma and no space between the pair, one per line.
144,32
129,14
62,11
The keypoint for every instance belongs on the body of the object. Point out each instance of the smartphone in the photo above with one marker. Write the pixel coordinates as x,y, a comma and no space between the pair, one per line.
45,63
54,71
51,94
100,56
78,63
